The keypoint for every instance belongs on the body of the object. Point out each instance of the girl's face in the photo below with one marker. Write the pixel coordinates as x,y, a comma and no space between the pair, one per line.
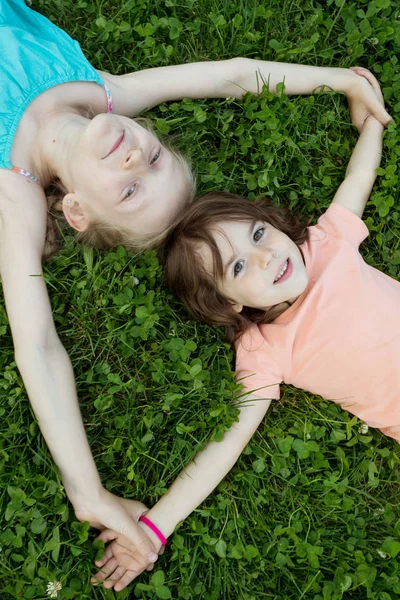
263,267
121,174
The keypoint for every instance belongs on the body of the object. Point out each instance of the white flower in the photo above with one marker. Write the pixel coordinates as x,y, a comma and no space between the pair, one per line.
378,511
136,281
363,429
308,436
382,554
53,587
374,41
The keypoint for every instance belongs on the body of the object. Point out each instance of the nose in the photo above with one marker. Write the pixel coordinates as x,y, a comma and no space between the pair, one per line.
262,258
134,159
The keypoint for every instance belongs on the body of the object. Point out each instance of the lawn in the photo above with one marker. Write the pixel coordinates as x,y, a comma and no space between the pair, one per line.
311,509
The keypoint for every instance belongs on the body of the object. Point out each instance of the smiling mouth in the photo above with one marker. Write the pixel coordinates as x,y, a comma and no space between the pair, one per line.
116,145
284,272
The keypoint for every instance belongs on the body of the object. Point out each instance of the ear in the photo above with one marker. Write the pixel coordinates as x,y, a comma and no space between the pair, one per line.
237,307
74,213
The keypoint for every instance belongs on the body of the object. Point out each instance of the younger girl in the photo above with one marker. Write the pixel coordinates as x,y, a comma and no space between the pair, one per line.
116,184
300,304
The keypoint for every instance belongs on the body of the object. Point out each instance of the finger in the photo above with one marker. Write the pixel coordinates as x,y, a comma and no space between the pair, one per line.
107,535
372,80
106,571
115,578
362,72
383,116
108,554
121,543
139,539
135,563
357,68
125,580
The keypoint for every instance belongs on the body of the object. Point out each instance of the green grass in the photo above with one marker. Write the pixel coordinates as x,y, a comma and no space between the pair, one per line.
311,510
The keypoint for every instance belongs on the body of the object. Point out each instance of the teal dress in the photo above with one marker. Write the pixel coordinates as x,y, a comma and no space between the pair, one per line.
35,56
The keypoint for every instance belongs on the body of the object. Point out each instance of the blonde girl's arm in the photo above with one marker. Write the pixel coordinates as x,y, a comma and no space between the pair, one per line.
42,360
196,481
360,176
135,92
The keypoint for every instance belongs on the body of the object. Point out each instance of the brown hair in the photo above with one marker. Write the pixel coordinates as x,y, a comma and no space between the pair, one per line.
185,272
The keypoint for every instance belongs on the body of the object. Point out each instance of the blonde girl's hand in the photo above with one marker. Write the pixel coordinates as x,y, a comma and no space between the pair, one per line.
365,99
121,516
118,566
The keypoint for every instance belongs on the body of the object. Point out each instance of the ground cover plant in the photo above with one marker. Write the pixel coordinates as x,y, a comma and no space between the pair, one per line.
311,510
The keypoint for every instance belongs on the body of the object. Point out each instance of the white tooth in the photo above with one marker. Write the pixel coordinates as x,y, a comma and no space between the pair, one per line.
285,266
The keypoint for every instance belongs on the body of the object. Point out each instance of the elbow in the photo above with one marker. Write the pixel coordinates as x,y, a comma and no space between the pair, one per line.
236,74
35,348
240,64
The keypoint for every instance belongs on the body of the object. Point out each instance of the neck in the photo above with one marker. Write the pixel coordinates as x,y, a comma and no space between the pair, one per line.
276,311
57,138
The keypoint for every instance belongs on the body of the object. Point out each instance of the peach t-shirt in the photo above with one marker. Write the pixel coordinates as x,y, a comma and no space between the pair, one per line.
341,338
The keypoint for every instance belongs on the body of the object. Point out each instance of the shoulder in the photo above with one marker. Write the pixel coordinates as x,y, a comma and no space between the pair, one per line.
23,205
339,223
250,341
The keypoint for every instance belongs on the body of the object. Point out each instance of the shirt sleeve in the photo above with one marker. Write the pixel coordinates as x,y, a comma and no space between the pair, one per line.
256,369
340,223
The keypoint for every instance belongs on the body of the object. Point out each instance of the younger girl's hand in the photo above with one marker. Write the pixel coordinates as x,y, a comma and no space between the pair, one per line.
372,80
119,566
365,99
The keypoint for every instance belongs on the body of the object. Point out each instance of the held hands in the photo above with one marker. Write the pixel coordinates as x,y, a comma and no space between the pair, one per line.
119,564
372,80
365,99
110,512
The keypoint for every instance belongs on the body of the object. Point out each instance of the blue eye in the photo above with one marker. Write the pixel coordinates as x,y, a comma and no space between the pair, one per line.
257,235
237,268
131,191
155,157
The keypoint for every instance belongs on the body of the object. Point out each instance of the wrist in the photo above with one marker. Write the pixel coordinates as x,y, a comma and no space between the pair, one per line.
83,500
372,124
151,535
349,81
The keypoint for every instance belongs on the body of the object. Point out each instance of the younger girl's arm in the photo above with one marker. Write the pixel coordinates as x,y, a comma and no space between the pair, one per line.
192,486
135,92
43,362
360,176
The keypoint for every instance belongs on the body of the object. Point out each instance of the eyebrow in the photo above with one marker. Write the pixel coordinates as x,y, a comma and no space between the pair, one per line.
233,256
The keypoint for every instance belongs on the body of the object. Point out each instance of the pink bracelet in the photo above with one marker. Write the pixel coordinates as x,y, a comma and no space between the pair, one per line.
155,529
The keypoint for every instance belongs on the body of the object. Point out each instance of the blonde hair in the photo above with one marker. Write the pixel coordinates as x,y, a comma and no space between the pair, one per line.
103,235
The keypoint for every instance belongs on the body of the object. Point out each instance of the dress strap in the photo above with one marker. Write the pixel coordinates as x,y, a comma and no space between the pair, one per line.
109,99
26,173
